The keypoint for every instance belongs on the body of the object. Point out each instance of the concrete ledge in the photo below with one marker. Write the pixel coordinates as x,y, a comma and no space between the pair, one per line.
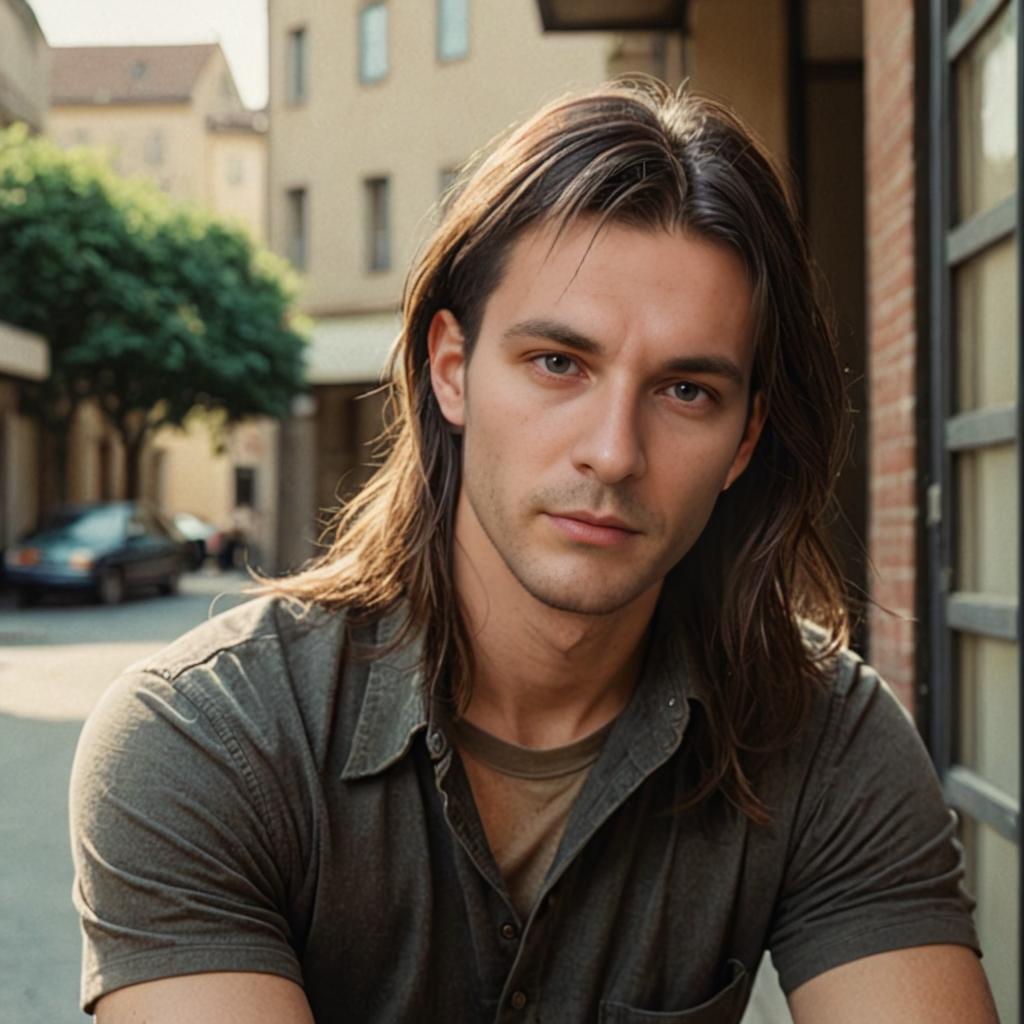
23,354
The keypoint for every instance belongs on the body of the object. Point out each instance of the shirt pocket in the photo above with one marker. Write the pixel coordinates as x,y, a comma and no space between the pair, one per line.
725,1007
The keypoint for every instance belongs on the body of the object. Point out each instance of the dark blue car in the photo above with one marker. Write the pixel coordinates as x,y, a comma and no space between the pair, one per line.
105,549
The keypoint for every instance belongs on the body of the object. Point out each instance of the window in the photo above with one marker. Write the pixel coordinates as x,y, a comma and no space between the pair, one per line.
235,170
245,486
296,68
297,241
154,149
452,29
378,241
974,495
373,42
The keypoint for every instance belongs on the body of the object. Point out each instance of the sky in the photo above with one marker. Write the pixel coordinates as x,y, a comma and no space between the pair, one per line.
240,26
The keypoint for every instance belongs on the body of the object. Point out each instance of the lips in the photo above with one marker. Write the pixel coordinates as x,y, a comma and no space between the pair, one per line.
586,528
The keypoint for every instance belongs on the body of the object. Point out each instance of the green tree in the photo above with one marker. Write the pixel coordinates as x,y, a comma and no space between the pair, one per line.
150,308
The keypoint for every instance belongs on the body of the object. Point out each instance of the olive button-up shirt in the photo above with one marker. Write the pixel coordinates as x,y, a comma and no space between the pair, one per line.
260,796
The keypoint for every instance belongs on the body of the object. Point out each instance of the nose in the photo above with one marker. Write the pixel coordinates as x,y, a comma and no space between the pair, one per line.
608,440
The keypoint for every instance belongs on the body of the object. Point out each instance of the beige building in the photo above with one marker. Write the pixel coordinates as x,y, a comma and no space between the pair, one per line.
374,107
173,114
24,72
169,113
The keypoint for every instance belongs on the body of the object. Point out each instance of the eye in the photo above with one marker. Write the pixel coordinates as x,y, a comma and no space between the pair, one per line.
688,393
557,363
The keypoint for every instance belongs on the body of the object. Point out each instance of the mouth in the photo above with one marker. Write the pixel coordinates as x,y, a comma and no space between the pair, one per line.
586,528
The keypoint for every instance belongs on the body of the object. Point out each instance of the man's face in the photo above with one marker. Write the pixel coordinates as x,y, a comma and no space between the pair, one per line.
605,407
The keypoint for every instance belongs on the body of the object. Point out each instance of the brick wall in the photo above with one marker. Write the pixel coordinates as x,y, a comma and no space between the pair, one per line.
892,337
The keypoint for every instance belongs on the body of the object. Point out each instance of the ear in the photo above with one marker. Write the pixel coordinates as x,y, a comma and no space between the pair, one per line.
751,433
447,349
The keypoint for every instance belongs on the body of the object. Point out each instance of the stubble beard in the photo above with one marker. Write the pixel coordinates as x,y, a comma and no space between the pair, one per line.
561,592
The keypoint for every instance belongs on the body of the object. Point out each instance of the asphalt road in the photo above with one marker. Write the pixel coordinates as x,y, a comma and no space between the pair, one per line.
55,661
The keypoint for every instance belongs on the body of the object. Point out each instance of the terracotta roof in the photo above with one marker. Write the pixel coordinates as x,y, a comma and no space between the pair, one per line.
126,74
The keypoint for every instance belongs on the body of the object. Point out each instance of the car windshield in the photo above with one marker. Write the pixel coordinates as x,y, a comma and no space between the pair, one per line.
90,526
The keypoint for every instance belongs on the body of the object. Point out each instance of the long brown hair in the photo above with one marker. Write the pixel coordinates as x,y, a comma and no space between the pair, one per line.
636,153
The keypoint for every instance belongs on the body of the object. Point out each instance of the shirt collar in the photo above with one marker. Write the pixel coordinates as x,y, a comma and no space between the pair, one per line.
394,706
393,709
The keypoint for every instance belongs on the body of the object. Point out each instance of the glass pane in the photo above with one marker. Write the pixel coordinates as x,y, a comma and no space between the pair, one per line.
989,710
987,526
452,28
986,98
992,879
373,42
986,328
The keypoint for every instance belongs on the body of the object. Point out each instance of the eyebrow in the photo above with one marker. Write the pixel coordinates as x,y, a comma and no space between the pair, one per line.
555,330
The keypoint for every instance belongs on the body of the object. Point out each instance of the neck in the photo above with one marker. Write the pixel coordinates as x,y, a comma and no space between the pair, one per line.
544,677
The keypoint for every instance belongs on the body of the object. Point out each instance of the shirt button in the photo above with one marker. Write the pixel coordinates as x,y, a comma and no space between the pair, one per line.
508,930
518,1000
436,742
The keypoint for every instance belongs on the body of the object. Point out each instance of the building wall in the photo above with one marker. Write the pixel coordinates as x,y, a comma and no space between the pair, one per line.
18,467
165,142
236,179
423,117
737,50
892,338
24,66
162,142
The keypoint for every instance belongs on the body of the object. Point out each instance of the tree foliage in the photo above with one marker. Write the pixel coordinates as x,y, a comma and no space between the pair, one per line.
151,308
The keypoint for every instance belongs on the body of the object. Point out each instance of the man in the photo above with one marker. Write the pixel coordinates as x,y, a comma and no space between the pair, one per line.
547,735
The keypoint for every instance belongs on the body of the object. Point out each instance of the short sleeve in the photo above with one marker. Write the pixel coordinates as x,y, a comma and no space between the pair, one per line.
874,863
178,869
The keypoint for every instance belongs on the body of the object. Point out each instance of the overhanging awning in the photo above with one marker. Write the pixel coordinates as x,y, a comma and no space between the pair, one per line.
350,349
612,15
22,354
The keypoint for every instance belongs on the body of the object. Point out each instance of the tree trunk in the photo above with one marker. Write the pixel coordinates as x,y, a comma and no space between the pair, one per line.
134,445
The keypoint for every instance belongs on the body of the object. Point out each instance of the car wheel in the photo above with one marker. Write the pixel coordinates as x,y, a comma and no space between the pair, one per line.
170,585
110,587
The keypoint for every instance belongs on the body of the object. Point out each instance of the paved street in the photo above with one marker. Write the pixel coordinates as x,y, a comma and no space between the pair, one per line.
54,663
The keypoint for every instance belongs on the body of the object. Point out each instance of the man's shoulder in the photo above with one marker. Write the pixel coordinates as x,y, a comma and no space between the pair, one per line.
258,672
259,636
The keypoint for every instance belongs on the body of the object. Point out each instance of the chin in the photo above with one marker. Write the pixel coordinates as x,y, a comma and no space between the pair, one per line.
582,598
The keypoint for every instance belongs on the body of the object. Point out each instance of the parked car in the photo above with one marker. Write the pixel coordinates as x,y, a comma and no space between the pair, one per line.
206,538
105,548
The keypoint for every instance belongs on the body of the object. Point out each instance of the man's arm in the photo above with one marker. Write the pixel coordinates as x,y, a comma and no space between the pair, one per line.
215,998
940,984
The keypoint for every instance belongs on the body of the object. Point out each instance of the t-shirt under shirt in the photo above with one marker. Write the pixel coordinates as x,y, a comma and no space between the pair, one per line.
535,790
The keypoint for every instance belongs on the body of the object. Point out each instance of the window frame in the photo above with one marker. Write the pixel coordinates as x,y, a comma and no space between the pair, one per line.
951,244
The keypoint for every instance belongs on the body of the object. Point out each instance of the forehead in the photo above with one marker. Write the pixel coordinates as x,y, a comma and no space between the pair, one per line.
627,285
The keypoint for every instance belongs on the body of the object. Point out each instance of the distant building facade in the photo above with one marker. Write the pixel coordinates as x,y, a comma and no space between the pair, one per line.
173,114
170,113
